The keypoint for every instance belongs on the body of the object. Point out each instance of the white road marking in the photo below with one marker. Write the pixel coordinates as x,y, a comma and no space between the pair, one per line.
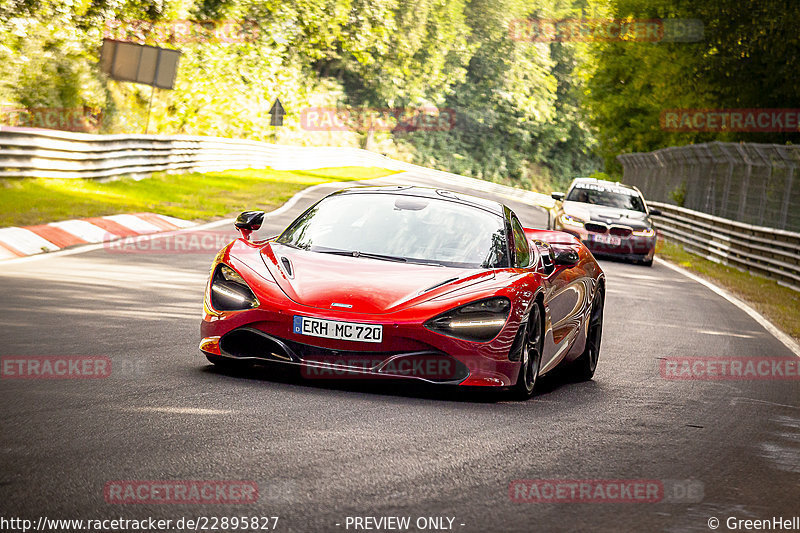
179,410
745,334
725,334
754,400
637,276
755,315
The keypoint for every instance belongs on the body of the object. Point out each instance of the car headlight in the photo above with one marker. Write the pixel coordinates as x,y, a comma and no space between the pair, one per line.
647,232
569,220
477,321
229,290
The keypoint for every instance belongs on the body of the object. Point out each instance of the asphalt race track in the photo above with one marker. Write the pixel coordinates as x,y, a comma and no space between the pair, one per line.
324,451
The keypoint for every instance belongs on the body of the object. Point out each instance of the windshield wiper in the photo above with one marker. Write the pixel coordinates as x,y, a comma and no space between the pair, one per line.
356,253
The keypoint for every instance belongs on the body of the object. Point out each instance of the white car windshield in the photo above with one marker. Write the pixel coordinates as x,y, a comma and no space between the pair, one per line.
606,196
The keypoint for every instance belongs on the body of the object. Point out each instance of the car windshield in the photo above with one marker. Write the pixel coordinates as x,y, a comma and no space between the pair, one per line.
405,228
597,194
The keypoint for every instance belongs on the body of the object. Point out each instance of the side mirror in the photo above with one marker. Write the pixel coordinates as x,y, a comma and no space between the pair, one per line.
655,212
557,196
565,256
248,222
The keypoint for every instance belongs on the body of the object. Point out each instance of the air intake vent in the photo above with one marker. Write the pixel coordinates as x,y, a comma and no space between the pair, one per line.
287,266
249,344
445,282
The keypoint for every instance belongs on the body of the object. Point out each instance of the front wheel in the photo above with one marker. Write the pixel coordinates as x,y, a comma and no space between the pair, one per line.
586,363
531,356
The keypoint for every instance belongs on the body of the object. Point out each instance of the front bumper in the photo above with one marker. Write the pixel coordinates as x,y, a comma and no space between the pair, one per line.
408,350
629,247
323,363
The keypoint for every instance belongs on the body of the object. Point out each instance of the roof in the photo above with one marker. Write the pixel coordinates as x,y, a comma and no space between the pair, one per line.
604,183
429,192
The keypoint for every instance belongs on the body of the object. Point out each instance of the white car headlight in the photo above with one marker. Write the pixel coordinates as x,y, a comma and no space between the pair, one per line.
479,321
569,220
229,291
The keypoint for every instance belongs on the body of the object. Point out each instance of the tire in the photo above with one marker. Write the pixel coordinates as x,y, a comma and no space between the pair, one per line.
647,262
585,365
524,388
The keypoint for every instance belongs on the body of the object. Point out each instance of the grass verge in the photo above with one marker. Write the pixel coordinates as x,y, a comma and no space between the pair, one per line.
779,304
194,196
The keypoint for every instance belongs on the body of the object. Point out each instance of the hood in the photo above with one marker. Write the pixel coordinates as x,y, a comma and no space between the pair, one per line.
606,215
368,285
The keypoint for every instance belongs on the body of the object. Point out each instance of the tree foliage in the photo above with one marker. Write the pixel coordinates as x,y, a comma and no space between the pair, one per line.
526,112
748,58
517,103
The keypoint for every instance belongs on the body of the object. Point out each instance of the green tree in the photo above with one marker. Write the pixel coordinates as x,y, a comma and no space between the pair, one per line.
748,58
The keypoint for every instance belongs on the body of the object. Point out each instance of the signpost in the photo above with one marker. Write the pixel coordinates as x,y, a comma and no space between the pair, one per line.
139,63
276,113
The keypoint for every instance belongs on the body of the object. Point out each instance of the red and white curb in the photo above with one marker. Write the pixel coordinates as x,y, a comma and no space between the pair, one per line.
29,240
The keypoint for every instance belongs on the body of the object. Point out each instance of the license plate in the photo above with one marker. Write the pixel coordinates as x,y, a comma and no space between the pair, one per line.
607,239
333,329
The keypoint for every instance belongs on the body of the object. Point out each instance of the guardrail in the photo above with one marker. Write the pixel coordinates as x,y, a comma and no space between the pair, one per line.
57,154
27,152
765,251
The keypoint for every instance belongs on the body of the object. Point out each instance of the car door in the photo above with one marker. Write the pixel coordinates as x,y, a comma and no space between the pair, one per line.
565,294
567,291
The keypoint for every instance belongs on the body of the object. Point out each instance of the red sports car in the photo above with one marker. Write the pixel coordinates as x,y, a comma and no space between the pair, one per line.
407,282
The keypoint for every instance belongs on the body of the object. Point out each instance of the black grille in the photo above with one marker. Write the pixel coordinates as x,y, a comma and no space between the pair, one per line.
620,231
429,365
595,228
310,353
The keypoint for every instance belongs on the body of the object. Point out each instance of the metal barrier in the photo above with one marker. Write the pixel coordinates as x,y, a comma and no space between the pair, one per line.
57,154
765,251
26,152
748,182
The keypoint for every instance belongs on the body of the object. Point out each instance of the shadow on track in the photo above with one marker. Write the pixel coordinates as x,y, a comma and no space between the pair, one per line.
288,375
